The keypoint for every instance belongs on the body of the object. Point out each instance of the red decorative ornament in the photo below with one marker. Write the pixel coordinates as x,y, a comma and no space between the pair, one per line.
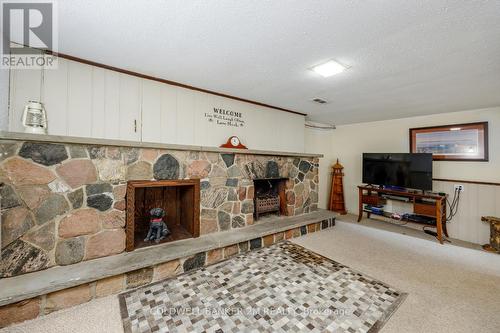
233,142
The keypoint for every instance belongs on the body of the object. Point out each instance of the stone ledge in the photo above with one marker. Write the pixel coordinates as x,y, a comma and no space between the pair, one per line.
30,285
17,136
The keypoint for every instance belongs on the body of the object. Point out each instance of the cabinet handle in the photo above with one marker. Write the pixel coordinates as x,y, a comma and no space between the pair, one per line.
135,125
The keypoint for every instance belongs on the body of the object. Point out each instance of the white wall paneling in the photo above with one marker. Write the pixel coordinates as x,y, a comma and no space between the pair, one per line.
112,105
185,115
80,91
348,142
476,201
55,97
82,100
202,103
25,86
98,125
130,108
151,111
168,119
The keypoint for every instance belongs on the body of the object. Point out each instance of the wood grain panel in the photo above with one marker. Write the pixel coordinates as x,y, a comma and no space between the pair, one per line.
461,181
425,209
179,198
130,218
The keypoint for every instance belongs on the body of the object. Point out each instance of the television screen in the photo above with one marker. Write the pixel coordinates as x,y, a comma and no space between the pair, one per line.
401,170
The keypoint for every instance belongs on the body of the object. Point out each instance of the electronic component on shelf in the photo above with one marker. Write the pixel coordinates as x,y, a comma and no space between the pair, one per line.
441,194
420,219
395,197
377,210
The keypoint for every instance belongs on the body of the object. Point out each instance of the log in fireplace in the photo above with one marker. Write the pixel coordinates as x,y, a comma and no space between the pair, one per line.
270,196
180,199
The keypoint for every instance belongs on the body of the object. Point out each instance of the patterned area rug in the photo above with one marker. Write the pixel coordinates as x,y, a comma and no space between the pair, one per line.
284,287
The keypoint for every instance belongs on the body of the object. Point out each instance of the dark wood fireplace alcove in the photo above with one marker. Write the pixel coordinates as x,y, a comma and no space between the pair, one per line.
179,198
270,196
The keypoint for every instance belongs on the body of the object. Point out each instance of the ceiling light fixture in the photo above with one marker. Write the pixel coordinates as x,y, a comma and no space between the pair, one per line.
320,126
329,68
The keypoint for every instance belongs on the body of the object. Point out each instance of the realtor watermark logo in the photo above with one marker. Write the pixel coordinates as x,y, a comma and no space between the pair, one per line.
29,29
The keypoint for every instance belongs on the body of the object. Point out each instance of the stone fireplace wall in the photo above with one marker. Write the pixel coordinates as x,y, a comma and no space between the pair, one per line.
65,203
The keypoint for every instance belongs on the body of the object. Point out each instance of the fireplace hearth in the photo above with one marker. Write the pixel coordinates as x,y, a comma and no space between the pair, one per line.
72,206
71,193
180,199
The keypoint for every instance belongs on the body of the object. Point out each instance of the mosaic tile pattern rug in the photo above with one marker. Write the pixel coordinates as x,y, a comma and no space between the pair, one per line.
284,287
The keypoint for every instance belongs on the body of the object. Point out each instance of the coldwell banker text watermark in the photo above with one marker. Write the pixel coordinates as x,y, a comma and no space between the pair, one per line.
29,30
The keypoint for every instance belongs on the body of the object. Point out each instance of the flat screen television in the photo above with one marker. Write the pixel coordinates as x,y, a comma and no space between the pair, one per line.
399,170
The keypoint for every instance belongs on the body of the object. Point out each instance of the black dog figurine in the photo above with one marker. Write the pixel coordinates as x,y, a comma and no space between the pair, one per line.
158,230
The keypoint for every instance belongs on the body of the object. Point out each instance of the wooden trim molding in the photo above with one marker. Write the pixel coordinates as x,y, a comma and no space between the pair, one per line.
465,181
172,83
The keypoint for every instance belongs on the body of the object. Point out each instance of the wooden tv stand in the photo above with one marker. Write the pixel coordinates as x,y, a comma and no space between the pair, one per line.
372,195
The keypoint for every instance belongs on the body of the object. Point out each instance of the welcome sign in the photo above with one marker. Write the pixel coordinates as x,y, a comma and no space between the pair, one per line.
224,117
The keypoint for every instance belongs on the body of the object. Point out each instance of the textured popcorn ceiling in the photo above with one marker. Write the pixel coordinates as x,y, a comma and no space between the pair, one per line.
408,57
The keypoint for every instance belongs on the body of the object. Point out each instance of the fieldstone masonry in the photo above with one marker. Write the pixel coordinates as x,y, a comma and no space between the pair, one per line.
44,304
65,203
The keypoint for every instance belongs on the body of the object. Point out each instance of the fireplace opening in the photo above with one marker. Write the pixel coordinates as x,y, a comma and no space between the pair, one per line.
270,196
179,199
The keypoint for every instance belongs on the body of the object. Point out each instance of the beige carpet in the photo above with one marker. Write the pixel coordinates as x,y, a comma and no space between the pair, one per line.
451,288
